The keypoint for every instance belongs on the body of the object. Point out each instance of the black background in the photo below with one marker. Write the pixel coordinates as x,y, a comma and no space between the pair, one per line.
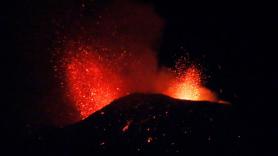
236,42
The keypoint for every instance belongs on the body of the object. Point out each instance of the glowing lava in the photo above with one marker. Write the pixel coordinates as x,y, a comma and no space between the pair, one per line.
188,86
91,84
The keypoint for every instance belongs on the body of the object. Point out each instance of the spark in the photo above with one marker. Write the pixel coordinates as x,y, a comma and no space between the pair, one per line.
125,128
149,140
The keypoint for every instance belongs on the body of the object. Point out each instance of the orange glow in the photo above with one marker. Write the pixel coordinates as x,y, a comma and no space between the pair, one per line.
188,86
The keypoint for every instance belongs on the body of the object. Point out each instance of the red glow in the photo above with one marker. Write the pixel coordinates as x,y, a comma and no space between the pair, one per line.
91,84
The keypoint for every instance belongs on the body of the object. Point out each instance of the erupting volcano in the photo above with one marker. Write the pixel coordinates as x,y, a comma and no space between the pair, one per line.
139,77
119,59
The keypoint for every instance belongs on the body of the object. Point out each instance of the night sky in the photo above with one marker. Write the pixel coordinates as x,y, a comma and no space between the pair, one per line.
235,43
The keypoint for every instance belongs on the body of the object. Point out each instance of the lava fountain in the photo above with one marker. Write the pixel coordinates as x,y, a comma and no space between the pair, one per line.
187,85
91,84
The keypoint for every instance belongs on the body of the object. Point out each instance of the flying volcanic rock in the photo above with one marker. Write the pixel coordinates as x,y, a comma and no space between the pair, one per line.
151,123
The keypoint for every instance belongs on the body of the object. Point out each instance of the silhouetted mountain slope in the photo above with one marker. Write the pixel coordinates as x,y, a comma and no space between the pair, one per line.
150,123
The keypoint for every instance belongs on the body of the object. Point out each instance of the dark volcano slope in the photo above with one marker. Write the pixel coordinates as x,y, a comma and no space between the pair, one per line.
153,123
